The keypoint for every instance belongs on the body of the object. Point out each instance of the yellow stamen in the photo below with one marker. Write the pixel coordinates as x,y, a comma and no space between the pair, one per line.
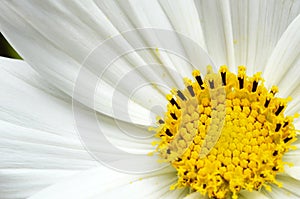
225,133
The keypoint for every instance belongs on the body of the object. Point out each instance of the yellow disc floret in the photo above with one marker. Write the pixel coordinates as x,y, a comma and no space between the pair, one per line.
224,133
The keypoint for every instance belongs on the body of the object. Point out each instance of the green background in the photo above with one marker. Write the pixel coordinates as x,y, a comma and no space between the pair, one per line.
6,50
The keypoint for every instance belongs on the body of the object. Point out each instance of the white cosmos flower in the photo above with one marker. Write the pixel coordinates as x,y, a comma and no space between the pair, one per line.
41,155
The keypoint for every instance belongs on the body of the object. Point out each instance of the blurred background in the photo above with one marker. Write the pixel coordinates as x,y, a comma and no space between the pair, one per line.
6,50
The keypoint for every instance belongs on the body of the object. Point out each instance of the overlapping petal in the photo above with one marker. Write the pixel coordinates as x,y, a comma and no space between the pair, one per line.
106,183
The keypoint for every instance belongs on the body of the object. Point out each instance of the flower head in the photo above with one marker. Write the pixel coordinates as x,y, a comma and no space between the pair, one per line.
96,74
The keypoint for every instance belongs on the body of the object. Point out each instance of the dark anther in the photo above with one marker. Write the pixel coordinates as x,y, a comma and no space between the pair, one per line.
168,132
257,185
186,172
278,126
262,175
204,186
223,75
275,169
285,124
287,139
173,102
211,84
190,88
242,108
180,94
179,159
279,110
241,82
168,151
173,115
200,82
161,121
273,92
275,153
254,87
267,103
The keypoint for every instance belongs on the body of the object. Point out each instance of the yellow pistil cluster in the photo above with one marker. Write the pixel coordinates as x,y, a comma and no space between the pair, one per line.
225,133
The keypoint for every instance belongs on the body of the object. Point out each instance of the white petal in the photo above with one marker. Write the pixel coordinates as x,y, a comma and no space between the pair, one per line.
116,144
294,158
129,15
58,53
257,27
30,148
252,195
27,100
195,195
159,15
283,66
297,123
73,37
29,111
293,171
184,19
291,185
151,15
217,28
38,132
290,189
104,183
21,183
183,16
22,71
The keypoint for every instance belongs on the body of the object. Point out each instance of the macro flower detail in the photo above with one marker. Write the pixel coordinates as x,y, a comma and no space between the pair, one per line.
75,112
245,153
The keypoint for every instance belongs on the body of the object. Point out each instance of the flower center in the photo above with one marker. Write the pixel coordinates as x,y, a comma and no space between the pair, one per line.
225,133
